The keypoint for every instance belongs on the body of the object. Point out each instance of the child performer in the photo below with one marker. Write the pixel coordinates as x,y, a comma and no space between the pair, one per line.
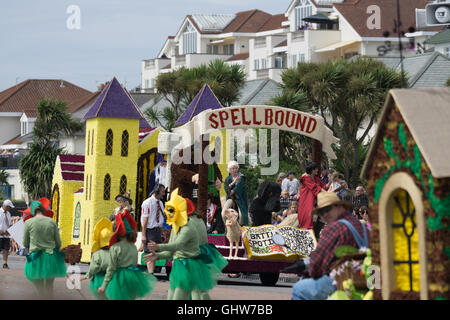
189,273
45,262
208,252
123,279
100,259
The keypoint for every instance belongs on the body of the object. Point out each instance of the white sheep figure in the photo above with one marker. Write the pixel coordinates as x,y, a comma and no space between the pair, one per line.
234,230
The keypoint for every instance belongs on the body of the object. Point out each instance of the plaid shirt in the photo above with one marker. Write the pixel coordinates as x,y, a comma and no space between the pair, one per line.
332,236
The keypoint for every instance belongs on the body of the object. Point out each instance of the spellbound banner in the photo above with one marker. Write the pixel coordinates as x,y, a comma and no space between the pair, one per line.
270,117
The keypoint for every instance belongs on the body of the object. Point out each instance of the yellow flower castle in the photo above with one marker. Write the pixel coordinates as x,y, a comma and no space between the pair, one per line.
120,153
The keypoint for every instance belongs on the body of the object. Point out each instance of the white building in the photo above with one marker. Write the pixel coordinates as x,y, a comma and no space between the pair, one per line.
308,31
18,113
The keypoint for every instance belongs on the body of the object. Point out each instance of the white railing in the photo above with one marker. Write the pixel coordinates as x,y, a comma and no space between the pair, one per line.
298,36
149,64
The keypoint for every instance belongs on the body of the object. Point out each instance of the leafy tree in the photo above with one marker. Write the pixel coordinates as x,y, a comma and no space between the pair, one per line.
179,87
36,168
448,82
4,177
348,95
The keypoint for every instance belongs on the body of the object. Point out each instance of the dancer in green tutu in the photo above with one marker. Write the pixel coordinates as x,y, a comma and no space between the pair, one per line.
100,259
215,261
45,262
190,274
123,279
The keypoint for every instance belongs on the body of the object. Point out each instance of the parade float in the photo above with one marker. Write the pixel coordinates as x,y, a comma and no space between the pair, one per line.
408,181
206,126
121,150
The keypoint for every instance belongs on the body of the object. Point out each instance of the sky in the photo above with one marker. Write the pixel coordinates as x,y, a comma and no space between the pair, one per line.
40,39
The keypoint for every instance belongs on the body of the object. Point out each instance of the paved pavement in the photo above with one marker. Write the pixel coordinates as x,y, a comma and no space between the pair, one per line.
14,285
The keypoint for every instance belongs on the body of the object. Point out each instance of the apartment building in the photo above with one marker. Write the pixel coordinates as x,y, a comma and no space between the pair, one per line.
308,31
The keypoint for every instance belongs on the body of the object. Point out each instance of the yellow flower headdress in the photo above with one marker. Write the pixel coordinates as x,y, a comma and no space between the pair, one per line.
102,234
176,211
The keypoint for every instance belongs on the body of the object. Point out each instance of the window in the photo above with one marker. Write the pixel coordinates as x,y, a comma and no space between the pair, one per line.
294,60
86,188
147,83
107,187
256,62
84,233
88,229
109,143
301,57
189,40
92,142
303,10
228,49
447,52
279,62
90,188
125,137
76,221
405,242
123,185
263,63
89,143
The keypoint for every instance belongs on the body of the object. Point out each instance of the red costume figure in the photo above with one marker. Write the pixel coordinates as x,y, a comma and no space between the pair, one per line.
311,185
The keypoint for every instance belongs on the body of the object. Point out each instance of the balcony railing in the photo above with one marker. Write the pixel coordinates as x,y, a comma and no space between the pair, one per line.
9,162
180,60
298,36
149,64
262,73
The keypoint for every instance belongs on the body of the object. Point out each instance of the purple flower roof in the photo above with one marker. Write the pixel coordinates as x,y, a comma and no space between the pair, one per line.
116,102
204,100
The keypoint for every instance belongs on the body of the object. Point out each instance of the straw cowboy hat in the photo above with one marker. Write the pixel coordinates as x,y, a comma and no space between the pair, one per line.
325,199
102,234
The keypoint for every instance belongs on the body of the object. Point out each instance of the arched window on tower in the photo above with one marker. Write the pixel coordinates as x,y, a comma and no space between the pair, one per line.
125,137
123,185
109,143
107,187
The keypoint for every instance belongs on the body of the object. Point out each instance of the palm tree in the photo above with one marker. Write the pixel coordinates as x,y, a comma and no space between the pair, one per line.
4,177
179,87
349,96
36,168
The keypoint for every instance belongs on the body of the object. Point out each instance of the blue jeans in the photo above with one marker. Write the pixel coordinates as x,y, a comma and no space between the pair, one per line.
313,289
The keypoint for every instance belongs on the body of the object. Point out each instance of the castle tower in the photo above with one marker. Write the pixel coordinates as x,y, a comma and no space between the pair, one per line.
111,155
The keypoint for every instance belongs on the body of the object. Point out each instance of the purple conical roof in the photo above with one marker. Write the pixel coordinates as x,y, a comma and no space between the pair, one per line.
204,100
115,102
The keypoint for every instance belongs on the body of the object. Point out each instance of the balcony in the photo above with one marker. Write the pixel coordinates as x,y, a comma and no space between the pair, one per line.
180,60
298,36
149,64
9,162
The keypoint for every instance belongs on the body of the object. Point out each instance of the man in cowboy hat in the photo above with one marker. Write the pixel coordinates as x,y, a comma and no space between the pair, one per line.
124,202
341,229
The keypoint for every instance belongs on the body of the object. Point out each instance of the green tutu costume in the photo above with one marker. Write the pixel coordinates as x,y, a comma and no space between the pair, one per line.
41,236
95,283
130,283
208,252
100,258
45,264
123,279
190,274
218,262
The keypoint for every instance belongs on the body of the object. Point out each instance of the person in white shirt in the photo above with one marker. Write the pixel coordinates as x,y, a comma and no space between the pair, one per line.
291,184
152,220
5,223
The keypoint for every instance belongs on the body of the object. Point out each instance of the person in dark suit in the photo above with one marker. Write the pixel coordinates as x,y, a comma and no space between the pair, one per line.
214,222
